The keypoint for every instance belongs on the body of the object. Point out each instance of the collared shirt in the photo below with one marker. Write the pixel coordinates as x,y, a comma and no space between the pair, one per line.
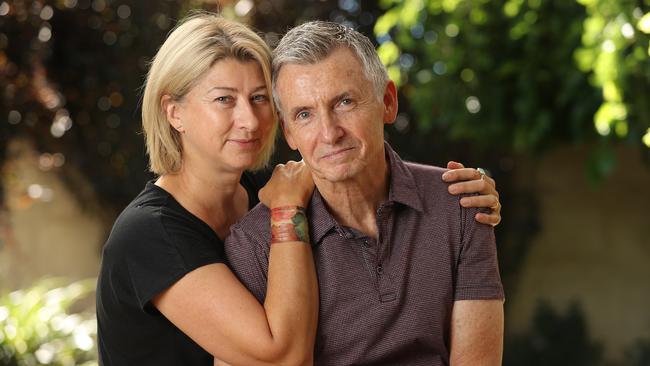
386,301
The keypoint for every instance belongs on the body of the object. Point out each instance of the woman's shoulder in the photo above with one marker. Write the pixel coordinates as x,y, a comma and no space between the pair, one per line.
140,219
154,227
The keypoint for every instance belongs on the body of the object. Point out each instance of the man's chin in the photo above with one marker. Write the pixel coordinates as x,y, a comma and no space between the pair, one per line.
338,174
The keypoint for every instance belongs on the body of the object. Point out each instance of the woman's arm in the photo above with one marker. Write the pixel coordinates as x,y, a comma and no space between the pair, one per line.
470,180
211,306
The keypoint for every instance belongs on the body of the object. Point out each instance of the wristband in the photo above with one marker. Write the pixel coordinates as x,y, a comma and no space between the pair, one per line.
289,223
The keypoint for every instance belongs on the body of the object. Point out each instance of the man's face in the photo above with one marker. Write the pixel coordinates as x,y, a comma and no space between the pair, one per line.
333,116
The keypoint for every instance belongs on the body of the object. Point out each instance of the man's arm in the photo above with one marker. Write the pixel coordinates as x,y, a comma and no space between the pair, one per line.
476,333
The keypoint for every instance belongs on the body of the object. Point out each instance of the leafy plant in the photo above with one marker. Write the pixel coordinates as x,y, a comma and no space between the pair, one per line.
522,76
37,327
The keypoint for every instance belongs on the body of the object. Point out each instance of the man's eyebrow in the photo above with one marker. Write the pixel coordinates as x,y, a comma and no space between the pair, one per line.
338,97
294,111
331,102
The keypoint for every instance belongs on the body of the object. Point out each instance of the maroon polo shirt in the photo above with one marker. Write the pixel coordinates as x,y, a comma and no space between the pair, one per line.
386,301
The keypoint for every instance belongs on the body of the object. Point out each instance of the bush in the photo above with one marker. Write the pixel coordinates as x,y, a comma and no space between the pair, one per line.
39,329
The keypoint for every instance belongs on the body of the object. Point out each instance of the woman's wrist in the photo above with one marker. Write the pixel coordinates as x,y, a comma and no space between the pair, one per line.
289,224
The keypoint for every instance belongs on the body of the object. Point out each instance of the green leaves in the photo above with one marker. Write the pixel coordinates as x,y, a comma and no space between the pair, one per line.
37,328
524,74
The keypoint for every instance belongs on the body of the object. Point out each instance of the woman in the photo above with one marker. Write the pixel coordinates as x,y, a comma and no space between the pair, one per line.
165,295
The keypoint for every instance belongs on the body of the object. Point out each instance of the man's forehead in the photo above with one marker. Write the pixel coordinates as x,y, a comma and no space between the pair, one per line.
341,59
307,88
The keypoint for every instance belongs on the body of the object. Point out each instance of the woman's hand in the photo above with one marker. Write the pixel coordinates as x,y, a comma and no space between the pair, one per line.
472,181
290,185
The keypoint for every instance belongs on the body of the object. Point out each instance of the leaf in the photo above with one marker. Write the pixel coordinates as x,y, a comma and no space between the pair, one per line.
644,23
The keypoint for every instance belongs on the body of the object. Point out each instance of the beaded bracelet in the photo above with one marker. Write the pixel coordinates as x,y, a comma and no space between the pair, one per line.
289,223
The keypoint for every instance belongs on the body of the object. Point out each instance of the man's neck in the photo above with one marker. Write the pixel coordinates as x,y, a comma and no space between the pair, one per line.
354,202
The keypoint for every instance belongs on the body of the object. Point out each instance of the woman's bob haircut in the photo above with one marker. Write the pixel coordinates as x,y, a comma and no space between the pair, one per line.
195,44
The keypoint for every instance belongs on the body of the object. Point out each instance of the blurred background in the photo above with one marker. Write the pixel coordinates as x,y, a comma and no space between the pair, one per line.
551,96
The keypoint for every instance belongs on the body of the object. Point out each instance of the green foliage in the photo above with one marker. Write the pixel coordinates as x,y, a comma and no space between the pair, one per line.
37,328
523,75
616,49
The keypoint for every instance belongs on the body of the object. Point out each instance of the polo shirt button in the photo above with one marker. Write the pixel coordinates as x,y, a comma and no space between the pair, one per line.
380,269
366,244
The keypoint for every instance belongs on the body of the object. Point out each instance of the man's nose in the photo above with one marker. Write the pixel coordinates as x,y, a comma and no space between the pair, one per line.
331,131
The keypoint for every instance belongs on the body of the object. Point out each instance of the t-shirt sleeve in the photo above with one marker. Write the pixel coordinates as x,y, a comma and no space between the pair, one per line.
477,268
164,246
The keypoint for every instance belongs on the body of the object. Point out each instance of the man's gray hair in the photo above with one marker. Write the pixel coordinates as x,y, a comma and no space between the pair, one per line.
313,41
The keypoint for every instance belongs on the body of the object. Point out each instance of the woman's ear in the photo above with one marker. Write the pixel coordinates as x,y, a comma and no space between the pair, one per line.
173,112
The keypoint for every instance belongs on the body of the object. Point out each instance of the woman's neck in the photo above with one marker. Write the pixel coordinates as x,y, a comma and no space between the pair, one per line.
216,198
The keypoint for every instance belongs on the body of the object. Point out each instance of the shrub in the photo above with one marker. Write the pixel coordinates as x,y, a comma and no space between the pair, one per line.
38,328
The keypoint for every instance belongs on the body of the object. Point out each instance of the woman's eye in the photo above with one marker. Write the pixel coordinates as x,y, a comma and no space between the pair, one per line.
223,99
346,101
259,98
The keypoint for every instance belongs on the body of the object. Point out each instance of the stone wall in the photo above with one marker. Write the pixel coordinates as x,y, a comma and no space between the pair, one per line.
593,248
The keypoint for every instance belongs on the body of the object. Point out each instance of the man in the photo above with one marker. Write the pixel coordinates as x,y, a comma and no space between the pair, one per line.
406,275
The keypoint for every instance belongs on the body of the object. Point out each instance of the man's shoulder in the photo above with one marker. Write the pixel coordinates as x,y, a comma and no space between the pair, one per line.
257,214
252,227
427,177
424,169
432,192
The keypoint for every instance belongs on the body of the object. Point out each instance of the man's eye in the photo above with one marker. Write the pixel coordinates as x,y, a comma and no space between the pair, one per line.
302,115
346,103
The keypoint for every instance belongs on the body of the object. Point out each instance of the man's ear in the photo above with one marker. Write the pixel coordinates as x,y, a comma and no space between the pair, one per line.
172,111
390,102
287,133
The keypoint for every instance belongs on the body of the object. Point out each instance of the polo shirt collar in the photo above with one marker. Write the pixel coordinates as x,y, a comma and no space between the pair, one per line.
402,190
402,187
320,220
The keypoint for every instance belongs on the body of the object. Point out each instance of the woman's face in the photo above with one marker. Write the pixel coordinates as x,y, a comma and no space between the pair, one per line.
226,116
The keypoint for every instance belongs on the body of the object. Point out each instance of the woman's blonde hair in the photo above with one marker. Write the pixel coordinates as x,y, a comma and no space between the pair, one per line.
195,44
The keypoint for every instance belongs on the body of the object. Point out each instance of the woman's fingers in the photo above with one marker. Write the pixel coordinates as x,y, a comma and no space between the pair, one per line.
488,219
290,184
467,181
483,186
490,201
454,165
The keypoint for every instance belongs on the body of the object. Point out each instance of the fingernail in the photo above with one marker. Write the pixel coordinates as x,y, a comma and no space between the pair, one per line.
446,176
464,201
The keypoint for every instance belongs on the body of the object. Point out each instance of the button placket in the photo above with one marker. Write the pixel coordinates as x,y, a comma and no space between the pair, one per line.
387,290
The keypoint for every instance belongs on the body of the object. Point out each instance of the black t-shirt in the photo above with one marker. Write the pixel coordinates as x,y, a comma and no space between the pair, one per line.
154,242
